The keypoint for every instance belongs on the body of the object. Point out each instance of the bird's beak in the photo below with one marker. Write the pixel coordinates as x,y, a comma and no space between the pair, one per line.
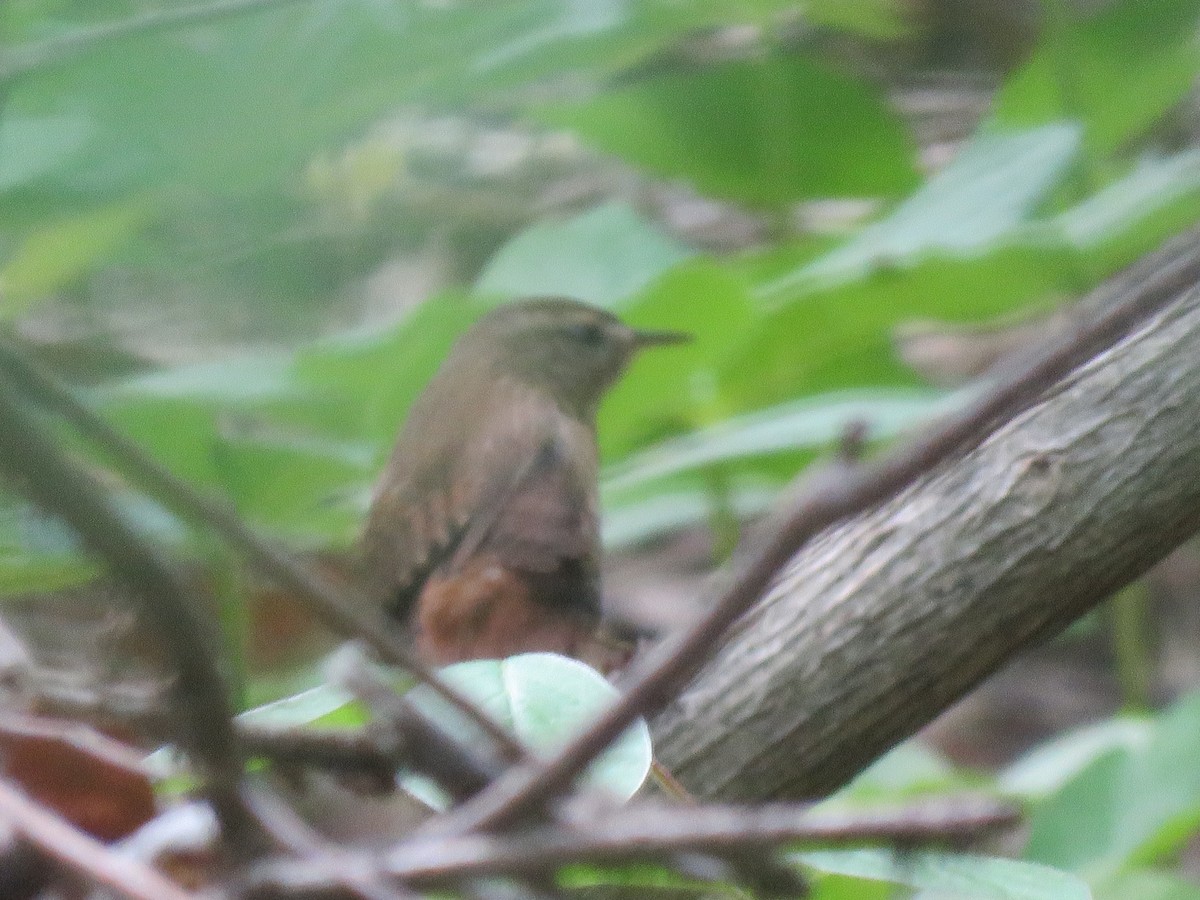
659,338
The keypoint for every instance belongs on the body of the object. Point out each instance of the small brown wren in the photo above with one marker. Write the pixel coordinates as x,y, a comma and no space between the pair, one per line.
483,533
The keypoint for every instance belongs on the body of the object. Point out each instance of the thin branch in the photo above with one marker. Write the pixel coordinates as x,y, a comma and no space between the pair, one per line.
344,752
303,842
653,684
82,853
652,832
39,470
343,611
29,58
106,751
402,732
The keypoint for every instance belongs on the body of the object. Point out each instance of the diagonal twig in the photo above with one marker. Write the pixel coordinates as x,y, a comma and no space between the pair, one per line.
338,609
38,469
82,853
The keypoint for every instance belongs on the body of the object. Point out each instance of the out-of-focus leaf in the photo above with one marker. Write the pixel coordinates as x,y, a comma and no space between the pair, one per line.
27,573
1051,764
180,435
668,388
841,337
629,521
961,876
1159,807
909,769
96,788
1078,825
365,381
642,877
602,257
242,102
33,147
326,706
544,699
1135,214
1116,72
1143,884
250,379
767,132
878,19
1134,804
991,187
290,483
58,253
809,423
1150,186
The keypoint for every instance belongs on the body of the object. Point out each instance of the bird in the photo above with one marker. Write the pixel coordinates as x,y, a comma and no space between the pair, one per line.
482,537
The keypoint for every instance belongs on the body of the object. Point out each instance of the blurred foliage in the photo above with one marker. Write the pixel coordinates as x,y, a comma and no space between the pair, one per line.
247,158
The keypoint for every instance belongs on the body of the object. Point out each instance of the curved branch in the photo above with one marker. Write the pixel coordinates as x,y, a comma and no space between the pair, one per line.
886,620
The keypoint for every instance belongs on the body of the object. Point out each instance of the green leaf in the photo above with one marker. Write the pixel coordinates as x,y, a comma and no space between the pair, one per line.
993,185
909,769
1152,184
33,147
1078,825
25,573
645,876
669,388
364,381
242,380
59,253
1135,804
1145,884
1133,215
840,337
1051,764
325,706
601,256
293,484
630,521
545,699
767,132
878,19
1116,72
810,423
1160,804
963,877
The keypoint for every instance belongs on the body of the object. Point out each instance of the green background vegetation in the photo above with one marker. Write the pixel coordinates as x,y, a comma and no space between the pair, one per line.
235,177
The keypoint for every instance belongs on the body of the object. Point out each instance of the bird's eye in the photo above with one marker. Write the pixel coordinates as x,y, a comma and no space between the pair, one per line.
589,334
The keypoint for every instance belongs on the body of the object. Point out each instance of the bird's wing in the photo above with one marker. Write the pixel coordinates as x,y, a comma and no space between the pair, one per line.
545,517
513,493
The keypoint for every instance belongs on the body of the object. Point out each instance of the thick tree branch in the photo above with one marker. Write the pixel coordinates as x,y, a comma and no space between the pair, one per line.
884,621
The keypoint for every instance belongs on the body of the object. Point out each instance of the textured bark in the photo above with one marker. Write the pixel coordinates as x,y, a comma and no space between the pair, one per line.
886,620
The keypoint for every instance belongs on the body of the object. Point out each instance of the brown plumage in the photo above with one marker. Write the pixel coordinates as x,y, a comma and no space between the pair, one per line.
483,534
